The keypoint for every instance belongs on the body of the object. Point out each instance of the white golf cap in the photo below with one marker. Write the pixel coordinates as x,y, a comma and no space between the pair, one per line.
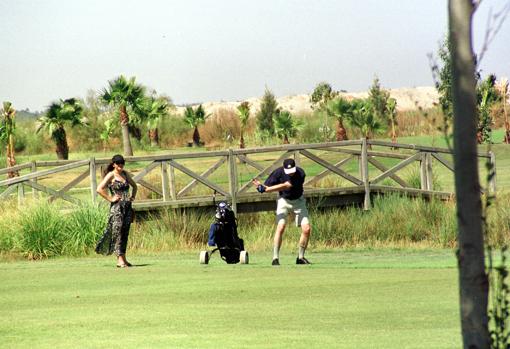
289,166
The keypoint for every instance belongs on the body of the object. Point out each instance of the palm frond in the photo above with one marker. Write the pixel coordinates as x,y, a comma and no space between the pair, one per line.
243,111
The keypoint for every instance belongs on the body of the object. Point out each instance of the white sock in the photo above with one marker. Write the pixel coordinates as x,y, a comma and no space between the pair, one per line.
276,252
301,253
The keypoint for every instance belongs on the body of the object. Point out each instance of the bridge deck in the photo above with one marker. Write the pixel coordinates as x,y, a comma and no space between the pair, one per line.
319,198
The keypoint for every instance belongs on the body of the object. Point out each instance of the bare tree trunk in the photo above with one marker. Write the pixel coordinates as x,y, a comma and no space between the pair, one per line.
285,139
11,160
473,280
124,124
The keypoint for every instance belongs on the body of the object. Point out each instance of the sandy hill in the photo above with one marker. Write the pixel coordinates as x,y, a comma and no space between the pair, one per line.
407,98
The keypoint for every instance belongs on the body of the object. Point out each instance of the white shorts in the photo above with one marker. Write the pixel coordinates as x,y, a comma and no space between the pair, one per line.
297,206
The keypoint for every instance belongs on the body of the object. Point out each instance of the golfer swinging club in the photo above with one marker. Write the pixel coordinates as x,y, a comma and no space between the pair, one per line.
288,181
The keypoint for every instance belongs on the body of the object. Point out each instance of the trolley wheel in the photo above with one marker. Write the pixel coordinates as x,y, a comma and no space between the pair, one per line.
244,257
204,257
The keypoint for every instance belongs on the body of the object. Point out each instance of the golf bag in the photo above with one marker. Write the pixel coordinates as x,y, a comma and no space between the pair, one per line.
223,235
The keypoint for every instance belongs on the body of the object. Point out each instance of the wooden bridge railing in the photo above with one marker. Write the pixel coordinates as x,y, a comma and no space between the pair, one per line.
355,166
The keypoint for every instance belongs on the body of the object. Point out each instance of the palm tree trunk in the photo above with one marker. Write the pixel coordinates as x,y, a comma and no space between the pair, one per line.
124,124
341,133
62,149
285,139
367,137
196,137
473,281
393,133
154,137
11,160
135,132
241,140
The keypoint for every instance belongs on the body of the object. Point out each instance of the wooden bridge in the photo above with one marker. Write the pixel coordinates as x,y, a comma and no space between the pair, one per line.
338,174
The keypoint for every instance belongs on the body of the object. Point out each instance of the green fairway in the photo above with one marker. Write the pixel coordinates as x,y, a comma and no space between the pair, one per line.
346,299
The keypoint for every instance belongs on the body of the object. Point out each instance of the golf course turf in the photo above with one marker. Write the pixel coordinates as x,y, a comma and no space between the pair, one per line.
345,299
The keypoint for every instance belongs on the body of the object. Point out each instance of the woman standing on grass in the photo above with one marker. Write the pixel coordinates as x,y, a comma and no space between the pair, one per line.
116,234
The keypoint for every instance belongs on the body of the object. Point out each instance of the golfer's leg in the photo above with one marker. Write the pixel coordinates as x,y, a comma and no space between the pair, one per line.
302,220
303,240
277,242
281,219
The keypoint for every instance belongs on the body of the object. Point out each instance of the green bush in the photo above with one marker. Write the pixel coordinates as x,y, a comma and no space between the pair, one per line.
41,232
83,228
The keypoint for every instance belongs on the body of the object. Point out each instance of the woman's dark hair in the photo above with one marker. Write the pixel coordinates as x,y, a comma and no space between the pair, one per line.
117,159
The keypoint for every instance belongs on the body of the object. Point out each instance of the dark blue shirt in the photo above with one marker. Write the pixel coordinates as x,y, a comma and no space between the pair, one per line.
278,176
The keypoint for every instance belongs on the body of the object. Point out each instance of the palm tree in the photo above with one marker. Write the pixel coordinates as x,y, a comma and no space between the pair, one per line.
7,127
391,108
364,119
57,115
195,117
123,93
340,108
285,125
243,111
107,131
154,109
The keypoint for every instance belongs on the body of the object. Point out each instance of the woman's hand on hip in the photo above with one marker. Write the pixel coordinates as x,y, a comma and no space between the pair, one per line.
115,198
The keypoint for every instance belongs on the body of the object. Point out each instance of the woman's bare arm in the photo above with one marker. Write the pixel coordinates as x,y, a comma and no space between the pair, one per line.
101,189
133,185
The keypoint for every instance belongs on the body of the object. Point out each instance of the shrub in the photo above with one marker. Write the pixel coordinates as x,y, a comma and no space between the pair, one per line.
83,228
41,232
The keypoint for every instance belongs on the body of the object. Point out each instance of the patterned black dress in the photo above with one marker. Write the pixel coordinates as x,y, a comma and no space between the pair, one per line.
115,236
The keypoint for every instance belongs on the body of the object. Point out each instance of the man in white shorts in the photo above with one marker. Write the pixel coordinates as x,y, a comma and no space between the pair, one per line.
288,181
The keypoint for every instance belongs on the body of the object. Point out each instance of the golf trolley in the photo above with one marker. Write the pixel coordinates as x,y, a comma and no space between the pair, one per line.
223,236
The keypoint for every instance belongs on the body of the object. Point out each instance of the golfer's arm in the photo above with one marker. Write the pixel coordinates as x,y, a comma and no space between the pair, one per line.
278,187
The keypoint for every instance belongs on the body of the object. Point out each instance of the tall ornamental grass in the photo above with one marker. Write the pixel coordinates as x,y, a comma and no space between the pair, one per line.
40,230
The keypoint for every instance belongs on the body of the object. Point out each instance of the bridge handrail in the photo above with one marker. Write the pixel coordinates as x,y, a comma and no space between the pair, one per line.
167,163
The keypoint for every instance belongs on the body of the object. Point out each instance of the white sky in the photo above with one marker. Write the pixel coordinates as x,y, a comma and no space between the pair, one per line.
199,50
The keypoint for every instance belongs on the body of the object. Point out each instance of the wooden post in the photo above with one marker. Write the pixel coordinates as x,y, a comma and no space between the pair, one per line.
164,181
423,171
232,178
33,168
430,184
492,174
364,174
173,189
93,180
297,158
360,166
